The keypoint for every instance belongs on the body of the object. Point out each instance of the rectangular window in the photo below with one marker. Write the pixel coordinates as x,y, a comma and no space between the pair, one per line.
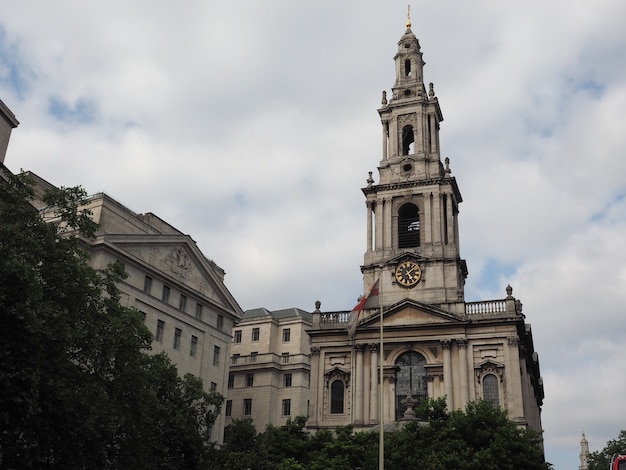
255,334
253,356
159,330
216,355
237,338
286,335
182,303
249,380
229,408
220,322
147,284
287,407
231,380
213,387
247,406
199,311
235,358
285,357
287,378
177,334
165,296
193,348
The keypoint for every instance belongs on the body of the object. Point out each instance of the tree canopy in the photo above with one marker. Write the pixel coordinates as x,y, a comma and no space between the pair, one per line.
600,460
477,438
79,388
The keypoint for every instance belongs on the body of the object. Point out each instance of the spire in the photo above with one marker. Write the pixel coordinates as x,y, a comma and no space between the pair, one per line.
584,454
408,17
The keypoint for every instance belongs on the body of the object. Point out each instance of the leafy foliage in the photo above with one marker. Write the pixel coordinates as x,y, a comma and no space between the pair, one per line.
601,460
480,437
78,387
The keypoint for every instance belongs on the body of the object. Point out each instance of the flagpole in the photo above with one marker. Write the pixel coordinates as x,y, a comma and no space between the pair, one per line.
381,403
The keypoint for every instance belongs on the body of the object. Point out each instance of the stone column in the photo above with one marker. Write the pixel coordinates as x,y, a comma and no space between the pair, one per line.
380,221
374,390
462,344
317,397
385,140
428,222
368,204
512,380
447,372
358,393
388,231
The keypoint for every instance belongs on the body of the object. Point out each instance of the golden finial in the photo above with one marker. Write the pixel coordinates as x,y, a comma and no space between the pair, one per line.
408,17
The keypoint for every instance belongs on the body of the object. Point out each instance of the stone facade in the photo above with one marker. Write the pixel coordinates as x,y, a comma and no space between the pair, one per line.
8,122
435,344
269,378
180,292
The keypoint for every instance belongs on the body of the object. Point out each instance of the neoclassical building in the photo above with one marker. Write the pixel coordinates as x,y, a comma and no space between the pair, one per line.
435,343
269,377
180,292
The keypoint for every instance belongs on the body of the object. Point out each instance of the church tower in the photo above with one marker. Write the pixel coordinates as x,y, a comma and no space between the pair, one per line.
435,343
412,213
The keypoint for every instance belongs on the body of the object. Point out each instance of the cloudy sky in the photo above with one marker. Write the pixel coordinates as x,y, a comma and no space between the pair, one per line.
252,125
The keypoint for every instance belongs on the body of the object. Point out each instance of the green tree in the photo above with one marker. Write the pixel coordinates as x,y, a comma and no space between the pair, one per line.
77,386
600,460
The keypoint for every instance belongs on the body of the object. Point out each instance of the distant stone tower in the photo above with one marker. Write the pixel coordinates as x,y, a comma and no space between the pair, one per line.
584,454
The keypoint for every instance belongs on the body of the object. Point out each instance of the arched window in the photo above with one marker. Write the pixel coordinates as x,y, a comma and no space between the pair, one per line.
336,396
408,226
410,380
407,140
490,389
407,68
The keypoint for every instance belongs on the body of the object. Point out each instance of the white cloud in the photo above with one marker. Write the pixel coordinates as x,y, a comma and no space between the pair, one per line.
252,126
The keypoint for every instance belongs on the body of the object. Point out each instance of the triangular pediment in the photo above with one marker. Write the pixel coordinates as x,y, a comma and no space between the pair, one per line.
411,313
179,258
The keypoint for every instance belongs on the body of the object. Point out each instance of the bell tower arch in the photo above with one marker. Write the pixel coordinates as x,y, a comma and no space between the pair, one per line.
413,209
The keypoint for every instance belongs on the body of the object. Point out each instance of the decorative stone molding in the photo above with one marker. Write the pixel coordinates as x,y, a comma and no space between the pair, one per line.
513,340
446,344
374,347
359,348
489,367
461,343
337,373
315,351
179,262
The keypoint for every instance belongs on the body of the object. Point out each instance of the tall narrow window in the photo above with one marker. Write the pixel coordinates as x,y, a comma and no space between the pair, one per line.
285,357
407,68
490,389
216,355
231,380
165,295
256,333
247,406
213,387
235,359
220,322
408,226
199,311
159,331
286,335
182,303
193,348
147,284
237,338
408,139
177,333
287,379
229,408
410,380
287,407
249,380
336,397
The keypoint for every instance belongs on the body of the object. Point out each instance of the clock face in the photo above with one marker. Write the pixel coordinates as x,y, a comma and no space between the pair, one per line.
408,274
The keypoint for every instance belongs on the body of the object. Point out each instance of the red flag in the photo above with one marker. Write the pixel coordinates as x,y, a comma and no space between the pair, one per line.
365,302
